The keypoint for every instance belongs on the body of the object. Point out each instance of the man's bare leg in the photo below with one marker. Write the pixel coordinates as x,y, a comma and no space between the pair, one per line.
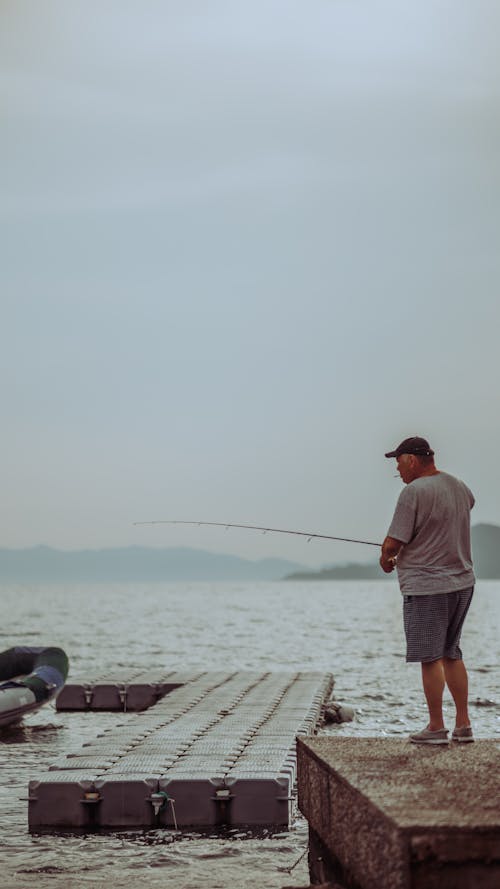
457,681
433,681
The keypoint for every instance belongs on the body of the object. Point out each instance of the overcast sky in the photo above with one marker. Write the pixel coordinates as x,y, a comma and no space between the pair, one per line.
247,248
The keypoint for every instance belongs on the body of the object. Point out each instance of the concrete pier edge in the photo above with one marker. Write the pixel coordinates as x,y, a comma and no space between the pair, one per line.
386,814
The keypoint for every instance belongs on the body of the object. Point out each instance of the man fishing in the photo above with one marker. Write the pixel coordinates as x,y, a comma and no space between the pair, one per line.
428,542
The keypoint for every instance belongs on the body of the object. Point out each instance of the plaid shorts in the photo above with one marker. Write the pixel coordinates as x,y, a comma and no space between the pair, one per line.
433,625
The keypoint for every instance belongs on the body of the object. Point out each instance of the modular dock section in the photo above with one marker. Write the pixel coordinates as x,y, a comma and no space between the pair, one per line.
139,691
217,749
386,813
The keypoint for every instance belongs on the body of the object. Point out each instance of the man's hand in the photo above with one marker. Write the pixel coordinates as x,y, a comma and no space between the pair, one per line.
387,565
390,550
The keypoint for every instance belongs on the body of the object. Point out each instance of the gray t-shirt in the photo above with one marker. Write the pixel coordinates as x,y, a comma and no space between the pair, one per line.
432,519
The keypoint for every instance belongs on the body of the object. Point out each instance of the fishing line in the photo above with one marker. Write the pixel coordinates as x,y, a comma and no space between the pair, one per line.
309,534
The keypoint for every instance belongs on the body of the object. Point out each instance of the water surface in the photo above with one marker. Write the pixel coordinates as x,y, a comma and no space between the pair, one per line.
352,629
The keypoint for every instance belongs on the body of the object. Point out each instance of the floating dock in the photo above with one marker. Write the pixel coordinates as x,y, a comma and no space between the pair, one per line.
386,813
214,749
139,691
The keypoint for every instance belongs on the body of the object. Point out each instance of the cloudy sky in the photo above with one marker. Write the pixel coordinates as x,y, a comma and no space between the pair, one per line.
246,248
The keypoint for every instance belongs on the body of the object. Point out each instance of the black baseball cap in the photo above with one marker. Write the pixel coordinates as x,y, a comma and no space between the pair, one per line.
415,445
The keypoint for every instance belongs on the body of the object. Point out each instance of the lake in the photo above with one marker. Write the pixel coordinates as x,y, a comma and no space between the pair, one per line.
350,628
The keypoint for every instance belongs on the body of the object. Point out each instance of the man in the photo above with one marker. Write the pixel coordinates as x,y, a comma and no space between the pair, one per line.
429,543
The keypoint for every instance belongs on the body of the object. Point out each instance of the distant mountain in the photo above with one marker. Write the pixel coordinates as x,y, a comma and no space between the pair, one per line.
347,571
41,564
485,552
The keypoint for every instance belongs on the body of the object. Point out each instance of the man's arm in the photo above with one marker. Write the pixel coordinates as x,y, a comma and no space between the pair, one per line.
390,550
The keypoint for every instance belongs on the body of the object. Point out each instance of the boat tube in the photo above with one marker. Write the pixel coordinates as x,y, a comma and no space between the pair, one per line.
32,677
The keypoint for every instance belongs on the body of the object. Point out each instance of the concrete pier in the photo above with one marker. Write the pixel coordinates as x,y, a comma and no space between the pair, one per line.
218,749
387,814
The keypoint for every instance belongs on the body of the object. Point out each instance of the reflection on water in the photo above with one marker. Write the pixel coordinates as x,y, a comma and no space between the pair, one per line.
352,629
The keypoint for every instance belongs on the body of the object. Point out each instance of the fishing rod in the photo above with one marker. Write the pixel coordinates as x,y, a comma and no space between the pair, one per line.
308,534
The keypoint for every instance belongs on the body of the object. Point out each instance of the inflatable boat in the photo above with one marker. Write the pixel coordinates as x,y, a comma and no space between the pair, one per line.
29,677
